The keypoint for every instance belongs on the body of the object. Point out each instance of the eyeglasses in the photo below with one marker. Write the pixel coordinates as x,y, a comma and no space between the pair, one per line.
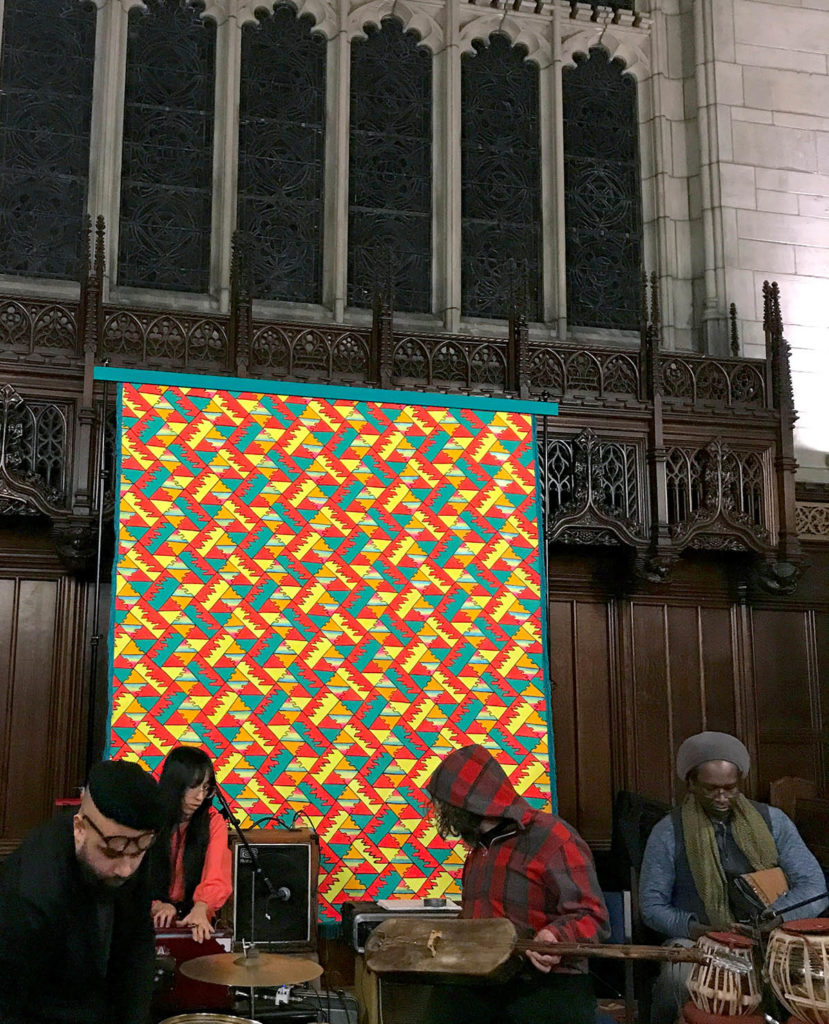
116,846
707,790
206,787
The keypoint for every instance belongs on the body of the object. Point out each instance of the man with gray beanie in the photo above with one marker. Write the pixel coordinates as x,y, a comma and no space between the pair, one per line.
696,854
76,936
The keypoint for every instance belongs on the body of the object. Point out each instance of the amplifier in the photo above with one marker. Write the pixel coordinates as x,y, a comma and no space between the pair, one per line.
289,861
361,917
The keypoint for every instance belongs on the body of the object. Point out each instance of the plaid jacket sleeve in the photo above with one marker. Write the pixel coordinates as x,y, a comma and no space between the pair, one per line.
580,914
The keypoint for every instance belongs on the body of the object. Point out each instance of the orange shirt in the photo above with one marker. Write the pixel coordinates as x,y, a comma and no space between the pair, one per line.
216,883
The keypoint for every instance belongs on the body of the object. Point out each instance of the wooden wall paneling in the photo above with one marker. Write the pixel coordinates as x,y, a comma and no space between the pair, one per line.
783,665
8,617
650,699
31,682
685,680
70,695
821,632
719,675
581,716
592,720
41,693
561,637
745,698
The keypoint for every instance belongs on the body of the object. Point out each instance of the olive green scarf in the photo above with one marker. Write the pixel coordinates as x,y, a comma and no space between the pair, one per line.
752,836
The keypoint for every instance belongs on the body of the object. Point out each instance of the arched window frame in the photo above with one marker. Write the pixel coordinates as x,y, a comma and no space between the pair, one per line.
64,244
551,33
359,291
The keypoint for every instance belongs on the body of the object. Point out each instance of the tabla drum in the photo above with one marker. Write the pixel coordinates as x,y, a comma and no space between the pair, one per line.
797,967
717,989
206,1018
693,1015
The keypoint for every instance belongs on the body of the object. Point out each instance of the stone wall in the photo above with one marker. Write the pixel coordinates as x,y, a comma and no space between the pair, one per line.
771,96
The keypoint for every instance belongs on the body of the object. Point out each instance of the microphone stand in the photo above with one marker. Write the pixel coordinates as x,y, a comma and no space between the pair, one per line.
250,950
768,920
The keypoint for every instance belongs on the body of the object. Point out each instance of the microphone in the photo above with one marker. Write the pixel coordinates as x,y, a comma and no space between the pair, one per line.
282,895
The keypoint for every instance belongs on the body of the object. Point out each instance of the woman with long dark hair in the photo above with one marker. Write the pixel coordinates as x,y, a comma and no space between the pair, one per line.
191,863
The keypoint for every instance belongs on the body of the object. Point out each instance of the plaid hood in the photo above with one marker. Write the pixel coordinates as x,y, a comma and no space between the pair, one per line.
471,778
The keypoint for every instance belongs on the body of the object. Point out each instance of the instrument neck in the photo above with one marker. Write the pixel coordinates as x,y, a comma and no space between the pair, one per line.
616,951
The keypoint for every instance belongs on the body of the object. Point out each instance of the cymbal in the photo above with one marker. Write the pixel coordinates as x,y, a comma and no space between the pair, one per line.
264,970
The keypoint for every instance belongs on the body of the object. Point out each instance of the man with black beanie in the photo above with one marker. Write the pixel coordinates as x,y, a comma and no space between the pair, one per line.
76,937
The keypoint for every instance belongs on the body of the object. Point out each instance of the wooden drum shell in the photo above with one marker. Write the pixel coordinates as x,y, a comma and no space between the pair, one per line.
718,990
797,967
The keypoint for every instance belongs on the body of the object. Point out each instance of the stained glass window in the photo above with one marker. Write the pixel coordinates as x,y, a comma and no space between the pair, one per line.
45,105
282,155
501,181
602,193
390,171
168,148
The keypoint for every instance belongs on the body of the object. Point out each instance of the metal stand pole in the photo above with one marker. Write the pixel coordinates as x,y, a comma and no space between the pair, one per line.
92,754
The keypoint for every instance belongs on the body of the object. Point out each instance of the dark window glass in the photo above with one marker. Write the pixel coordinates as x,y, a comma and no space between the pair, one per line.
45,104
501,181
282,154
390,173
602,193
168,148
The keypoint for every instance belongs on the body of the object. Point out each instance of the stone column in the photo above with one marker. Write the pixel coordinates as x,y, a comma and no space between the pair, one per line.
552,185
335,214
225,146
447,163
107,127
714,312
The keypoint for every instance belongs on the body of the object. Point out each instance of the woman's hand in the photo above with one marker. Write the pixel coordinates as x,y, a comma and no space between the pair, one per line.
163,914
198,921
544,962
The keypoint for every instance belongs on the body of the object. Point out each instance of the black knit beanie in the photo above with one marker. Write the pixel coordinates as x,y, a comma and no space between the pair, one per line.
124,792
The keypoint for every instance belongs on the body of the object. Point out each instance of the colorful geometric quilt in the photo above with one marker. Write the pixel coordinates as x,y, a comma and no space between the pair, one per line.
329,592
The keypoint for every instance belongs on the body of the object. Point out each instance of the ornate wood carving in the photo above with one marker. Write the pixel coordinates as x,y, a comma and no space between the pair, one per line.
592,490
33,456
637,471
717,499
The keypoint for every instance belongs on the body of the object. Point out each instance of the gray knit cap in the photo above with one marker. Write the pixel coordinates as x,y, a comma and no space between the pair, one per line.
711,746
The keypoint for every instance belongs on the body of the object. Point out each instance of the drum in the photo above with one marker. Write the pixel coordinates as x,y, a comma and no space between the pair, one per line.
693,1015
797,966
718,990
207,1018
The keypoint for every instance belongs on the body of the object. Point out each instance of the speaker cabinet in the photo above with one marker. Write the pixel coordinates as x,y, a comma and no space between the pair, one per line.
404,1002
275,889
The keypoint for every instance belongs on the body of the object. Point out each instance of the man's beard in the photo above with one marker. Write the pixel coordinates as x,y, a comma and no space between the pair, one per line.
103,888
456,821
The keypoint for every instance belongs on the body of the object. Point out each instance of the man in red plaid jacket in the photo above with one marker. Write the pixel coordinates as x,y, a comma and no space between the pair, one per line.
531,868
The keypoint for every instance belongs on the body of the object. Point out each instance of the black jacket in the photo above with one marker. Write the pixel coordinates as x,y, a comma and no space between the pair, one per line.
71,953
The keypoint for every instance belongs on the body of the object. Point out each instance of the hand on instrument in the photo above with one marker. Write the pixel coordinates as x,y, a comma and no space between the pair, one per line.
544,962
198,921
163,914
